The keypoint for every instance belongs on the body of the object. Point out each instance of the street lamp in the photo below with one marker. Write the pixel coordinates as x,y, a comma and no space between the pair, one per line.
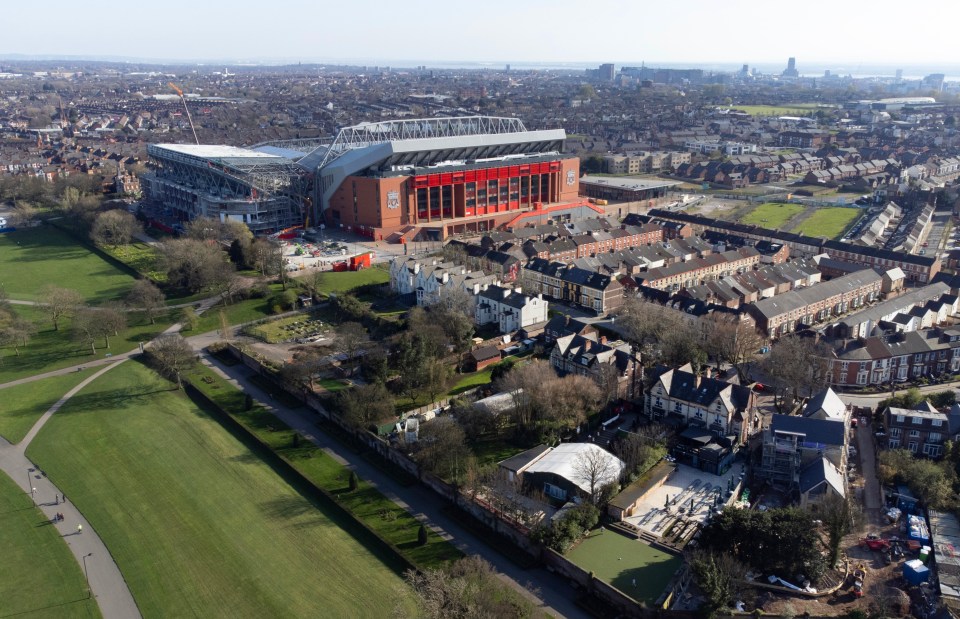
85,575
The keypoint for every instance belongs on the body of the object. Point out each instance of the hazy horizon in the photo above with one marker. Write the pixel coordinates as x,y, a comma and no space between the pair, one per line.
840,36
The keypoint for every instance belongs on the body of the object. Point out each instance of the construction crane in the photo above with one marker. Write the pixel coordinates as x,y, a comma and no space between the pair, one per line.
190,120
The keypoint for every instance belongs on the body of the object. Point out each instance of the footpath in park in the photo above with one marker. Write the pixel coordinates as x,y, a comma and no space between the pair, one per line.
106,582
554,594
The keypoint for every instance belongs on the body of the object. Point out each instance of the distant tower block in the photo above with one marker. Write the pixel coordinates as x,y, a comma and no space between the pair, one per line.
791,70
899,74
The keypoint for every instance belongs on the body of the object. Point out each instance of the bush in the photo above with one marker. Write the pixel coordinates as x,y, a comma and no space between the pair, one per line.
562,534
354,481
260,290
283,301
422,535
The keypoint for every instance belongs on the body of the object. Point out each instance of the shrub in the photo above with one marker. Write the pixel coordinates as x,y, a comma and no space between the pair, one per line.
259,290
354,481
422,535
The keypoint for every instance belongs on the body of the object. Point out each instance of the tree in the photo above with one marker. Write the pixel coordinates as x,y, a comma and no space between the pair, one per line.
351,339
267,257
354,482
314,282
839,518
796,366
524,383
732,340
188,318
567,401
191,264
225,281
470,588
58,303
112,320
440,448
114,227
595,467
364,405
171,355
86,327
15,331
145,295
720,576
637,451
422,537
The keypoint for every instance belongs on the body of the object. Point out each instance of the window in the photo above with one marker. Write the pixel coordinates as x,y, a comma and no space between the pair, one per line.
899,418
936,422
914,433
917,421
894,431
933,451
934,437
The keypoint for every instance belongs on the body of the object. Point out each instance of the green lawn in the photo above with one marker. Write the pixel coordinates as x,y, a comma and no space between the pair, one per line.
23,404
471,380
33,257
141,257
41,578
51,350
199,525
239,312
344,281
828,222
772,215
621,561
333,384
389,520
793,109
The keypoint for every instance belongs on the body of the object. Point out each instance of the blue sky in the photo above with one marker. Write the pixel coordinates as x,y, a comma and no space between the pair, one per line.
695,31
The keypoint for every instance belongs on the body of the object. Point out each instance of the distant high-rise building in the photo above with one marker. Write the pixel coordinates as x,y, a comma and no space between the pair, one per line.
745,70
934,81
826,72
607,72
899,74
508,68
791,70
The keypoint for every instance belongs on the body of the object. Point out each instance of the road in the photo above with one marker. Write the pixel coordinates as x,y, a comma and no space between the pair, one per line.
872,399
554,594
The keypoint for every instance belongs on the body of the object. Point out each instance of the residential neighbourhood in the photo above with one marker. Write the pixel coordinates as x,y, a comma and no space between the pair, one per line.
615,341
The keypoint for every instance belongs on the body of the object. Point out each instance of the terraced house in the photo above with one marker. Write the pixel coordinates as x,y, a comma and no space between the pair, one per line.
599,292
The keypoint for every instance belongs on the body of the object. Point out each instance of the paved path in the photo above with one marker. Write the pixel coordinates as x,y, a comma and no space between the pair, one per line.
553,593
872,492
871,399
106,582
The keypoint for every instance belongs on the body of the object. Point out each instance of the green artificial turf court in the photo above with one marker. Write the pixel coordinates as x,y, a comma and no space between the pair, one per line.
199,525
23,404
772,215
34,257
41,578
828,222
619,561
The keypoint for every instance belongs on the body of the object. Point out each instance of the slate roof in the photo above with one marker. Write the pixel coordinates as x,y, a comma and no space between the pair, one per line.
821,471
815,430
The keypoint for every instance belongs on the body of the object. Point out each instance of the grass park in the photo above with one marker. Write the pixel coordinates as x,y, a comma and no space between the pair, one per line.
793,109
772,215
635,568
828,222
225,534
36,560
24,404
35,257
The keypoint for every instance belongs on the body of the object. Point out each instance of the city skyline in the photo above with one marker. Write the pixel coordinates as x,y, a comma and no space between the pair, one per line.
424,31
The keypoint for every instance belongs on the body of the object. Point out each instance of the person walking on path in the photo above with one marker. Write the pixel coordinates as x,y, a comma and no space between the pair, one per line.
79,529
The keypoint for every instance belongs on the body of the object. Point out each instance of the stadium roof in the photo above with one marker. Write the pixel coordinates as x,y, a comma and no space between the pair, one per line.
215,151
627,182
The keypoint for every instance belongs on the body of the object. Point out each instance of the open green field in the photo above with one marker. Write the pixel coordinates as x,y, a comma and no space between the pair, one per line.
772,215
199,524
238,312
828,222
621,561
41,578
390,521
794,109
344,281
33,257
23,404
51,350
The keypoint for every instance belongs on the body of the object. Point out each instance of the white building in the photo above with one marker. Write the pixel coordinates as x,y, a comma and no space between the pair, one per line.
508,308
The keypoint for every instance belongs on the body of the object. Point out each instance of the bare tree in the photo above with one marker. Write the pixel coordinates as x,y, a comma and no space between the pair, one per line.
797,366
596,467
441,448
114,227
351,338
113,320
58,303
15,331
567,401
267,257
839,518
524,383
314,282
171,355
732,340
145,295
86,327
